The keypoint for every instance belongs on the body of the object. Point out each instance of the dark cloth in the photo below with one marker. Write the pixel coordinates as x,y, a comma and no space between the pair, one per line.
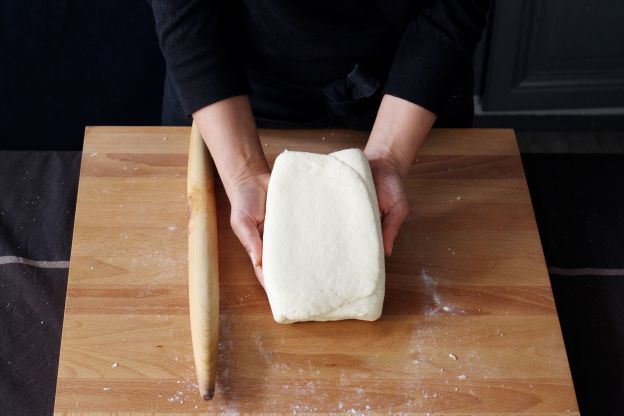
37,205
578,200
578,203
217,49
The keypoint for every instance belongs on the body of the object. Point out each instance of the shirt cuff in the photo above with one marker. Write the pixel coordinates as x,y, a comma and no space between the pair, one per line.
426,70
201,88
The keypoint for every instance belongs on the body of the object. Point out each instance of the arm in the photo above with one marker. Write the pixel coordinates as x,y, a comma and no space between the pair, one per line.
400,128
435,53
202,50
229,130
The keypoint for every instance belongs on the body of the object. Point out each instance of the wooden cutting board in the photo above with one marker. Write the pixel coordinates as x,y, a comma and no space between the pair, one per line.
469,323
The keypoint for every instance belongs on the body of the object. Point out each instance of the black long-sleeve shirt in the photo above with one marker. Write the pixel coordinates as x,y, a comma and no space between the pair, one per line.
423,47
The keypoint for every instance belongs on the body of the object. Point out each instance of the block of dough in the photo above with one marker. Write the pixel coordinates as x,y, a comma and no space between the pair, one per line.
322,254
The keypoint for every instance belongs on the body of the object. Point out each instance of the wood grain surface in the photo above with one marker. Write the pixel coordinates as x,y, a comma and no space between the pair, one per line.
469,323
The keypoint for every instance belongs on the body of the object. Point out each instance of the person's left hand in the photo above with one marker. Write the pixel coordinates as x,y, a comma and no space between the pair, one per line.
392,200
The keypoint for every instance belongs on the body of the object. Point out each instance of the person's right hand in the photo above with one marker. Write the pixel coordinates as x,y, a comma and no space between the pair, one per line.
248,200
229,129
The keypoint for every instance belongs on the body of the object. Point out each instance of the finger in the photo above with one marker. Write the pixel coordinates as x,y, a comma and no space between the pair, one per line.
391,224
247,232
259,275
246,229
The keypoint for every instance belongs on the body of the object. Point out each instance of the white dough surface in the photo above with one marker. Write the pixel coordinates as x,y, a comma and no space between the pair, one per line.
322,251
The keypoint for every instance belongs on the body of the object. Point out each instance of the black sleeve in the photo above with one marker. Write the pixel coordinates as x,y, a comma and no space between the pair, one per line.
436,51
201,45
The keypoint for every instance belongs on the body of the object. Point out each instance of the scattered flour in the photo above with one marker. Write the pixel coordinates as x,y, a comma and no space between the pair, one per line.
266,354
439,305
186,390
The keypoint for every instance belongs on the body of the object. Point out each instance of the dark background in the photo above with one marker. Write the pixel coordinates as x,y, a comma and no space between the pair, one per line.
544,67
70,63
552,64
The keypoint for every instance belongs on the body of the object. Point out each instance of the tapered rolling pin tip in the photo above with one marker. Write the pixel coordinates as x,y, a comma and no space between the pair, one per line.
209,394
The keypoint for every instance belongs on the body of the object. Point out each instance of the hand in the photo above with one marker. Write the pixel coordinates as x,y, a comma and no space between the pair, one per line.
248,200
392,200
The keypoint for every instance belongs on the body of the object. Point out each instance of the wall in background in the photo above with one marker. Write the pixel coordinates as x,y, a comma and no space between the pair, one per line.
557,63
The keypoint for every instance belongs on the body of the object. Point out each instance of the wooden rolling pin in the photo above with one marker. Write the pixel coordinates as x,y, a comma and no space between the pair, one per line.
203,264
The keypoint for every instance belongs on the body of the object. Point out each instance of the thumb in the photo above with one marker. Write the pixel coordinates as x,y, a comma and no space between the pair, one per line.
391,224
246,229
